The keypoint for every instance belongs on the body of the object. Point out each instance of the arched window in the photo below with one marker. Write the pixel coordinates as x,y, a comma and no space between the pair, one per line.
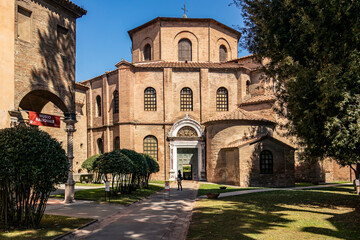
147,52
151,146
185,50
117,143
116,101
222,103
100,146
186,99
222,53
247,87
150,99
266,162
98,104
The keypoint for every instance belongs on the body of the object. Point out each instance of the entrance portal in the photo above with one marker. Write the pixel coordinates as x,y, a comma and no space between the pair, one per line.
187,159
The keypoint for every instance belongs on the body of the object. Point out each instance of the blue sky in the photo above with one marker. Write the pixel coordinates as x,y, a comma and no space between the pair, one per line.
102,38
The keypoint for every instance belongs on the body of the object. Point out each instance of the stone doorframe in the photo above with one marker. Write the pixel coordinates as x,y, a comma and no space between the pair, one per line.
183,142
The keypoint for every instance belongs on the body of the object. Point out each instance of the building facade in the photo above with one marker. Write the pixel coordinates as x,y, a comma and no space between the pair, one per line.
186,100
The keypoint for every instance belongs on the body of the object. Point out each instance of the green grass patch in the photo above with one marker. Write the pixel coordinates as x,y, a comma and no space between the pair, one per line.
50,227
205,188
158,182
90,184
303,184
98,194
328,213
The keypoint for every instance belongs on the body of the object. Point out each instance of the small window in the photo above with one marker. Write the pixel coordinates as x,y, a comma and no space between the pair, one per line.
151,146
184,50
147,52
23,24
186,99
117,143
100,146
98,104
150,99
222,103
266,162
116,102
62,37
247,87
223,53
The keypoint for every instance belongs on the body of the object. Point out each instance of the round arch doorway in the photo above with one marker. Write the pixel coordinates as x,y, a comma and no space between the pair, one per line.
187,150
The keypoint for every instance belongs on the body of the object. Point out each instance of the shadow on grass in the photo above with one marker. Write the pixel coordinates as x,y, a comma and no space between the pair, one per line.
50,227
253,216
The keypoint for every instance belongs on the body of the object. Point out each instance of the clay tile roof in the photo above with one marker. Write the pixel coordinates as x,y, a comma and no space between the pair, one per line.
241,114
72,7
163,64
258,99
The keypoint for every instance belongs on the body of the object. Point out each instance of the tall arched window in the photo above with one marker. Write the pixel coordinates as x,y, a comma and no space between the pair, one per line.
186,99
100,146
117,143
116,101
266,162
151,146
147,52
150,99
222,53
185,50
247,87
222,103
98,104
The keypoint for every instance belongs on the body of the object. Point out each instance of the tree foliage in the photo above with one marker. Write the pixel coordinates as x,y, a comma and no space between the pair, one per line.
88,165
153,167
118,167
314,50
31,164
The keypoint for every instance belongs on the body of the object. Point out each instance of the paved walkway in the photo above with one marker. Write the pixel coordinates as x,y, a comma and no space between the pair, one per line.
152,218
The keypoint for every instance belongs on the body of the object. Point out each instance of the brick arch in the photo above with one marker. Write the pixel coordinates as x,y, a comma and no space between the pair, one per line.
146,41
194,41
219,42
37,99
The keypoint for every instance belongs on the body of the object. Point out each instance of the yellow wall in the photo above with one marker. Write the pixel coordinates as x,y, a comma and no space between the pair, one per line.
7,18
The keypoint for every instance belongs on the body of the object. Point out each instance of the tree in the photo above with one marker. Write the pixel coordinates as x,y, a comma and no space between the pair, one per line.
119,167
31,164
88,164
153,167
313,47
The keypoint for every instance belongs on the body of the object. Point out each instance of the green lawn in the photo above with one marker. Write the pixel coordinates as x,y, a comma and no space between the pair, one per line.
98,194
328,213
205,188
90,184
50,227
159,182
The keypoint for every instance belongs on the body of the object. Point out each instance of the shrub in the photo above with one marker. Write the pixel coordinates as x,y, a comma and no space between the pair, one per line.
153,167
88,165
141,168
118,167
31,163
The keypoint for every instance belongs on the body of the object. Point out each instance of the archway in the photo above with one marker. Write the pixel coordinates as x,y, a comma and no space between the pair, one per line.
187,149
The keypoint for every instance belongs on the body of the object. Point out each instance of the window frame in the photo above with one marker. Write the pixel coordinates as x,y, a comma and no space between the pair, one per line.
266,167
183,53
186,99
223,54
100,147
117,143
150,146
150,99
147,52
116,102
98,105
222,100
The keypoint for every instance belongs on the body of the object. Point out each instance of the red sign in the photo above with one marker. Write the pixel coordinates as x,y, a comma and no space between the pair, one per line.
167,186
40,119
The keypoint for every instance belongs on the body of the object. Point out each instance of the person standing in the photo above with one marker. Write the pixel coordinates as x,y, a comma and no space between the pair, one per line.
179,179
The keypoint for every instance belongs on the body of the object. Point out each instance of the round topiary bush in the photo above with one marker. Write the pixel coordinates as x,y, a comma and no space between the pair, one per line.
88,164
31,164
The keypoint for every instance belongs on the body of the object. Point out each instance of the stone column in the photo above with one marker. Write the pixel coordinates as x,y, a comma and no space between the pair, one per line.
70,184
